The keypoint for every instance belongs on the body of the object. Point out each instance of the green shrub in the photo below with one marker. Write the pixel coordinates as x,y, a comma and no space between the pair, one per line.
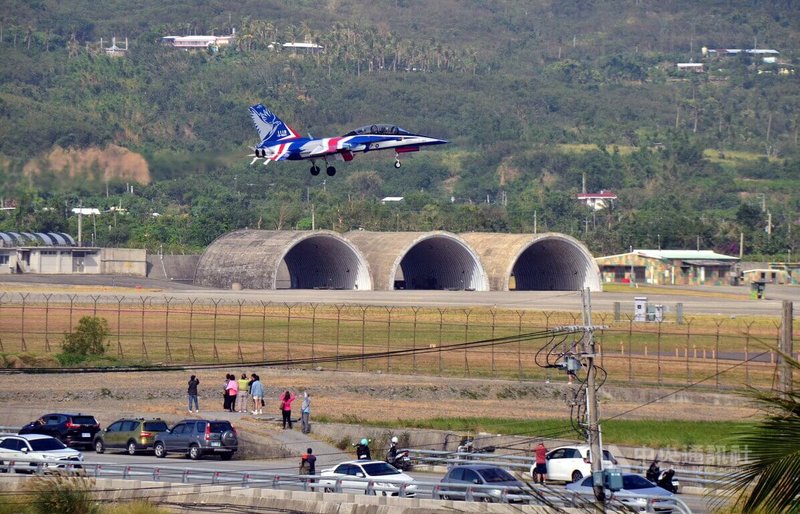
85,341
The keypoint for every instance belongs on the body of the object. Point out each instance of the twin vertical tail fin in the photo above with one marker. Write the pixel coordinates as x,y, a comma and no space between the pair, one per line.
270,128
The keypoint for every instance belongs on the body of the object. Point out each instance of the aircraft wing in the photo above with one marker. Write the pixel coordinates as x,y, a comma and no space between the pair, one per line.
323,147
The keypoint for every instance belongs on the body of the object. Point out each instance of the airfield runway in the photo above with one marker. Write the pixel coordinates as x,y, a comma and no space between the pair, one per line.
712,300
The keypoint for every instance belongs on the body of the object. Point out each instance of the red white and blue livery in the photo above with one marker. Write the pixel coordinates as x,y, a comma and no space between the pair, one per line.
279,142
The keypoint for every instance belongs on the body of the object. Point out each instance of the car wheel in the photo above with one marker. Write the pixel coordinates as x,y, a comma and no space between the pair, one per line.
99,447
328,490
226,456
160,450
131,448
194,452
576,475
228,438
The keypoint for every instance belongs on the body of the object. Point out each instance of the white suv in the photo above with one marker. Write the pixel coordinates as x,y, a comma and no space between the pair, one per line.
571,463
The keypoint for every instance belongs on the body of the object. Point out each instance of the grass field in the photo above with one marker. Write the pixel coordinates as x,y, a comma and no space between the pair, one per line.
677,434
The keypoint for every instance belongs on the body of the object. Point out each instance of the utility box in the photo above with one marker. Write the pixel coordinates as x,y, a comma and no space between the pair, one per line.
612,479
658,312
640,308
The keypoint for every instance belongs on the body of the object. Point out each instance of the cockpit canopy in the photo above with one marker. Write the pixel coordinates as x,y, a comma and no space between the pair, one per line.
382,129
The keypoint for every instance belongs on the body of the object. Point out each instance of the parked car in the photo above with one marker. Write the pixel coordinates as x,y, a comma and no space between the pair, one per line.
196,438
131,434
571,463
637,493
35,450
483,475
355,475
70,429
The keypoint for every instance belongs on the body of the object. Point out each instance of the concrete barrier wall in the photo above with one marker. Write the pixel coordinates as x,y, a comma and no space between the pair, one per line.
123,261
267,500
179,268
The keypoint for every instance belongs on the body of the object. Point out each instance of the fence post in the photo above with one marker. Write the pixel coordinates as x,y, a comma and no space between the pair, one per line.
47,322
747,353
520,314
467,313
24,297
120,353
688,340
191,319
71,304
493,311
289,308
389,339
167,351
94,304
414,341
144,346
313,331
718,323
264,330
239,332
214,330
338,323
441,325
784,368
630,347
658,354
363,334
2,295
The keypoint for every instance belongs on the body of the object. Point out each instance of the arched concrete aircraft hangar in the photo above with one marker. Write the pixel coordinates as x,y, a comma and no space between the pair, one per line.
420,260
278,259
538,262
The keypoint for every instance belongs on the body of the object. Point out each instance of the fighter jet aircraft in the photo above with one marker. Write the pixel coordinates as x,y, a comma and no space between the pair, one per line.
279,142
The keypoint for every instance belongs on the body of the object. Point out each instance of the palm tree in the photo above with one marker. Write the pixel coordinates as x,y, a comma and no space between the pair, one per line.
768,481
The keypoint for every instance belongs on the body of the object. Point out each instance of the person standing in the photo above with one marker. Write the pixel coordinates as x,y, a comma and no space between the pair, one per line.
286,408
226,398
305,412
312,461
244,390
233,390
192,393
541,463
257,393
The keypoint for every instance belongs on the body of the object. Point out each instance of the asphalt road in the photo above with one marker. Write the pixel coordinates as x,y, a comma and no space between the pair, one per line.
718,300
698,503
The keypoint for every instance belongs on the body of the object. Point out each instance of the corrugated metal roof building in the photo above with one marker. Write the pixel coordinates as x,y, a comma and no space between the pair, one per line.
668,267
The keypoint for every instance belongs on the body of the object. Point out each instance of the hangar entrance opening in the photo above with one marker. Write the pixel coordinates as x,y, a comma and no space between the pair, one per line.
439,263
322,262
552,265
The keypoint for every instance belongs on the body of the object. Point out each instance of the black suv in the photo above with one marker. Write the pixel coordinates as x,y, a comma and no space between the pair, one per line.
70,429
132,434
198,437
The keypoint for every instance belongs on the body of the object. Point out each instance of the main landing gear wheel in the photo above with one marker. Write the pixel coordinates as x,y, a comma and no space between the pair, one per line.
315,170
397,163
331,171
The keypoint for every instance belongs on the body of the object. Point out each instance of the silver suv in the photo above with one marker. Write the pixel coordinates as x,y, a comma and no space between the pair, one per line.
196,438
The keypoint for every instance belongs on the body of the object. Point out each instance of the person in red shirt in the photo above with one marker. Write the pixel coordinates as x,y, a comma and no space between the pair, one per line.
286,408
541,463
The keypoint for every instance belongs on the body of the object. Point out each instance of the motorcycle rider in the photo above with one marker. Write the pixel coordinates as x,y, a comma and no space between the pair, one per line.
653,471
392,454
362,450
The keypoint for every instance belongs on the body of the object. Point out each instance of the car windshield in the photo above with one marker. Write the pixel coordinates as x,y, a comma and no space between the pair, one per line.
633,482
495,475
155,426
44,445
379,469
84,420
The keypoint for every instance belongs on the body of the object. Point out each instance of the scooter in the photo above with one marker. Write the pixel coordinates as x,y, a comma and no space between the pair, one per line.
667,480
401,460
663,479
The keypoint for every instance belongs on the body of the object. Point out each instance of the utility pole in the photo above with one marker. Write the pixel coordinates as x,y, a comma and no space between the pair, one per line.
592,414
786,346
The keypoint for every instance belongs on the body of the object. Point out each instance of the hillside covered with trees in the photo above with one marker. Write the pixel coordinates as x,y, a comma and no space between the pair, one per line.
534,96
